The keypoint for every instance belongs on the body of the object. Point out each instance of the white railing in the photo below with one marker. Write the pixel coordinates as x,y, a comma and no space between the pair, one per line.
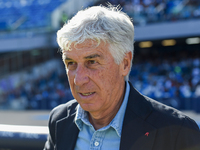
15,137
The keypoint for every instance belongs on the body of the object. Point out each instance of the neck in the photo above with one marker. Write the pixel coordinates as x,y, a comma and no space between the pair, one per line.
98,120
103,121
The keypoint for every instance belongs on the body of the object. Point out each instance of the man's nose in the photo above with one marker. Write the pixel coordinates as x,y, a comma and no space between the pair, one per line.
81,75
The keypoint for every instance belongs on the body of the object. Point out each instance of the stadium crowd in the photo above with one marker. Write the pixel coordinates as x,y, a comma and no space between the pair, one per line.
18,14
173,80
151,11
41,87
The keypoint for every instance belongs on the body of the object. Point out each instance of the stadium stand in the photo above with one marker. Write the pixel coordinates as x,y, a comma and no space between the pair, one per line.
26,14
170,77
153,11
35,90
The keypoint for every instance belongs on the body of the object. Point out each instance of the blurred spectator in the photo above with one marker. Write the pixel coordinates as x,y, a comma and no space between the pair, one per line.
150,11
169,78
197,91
43,87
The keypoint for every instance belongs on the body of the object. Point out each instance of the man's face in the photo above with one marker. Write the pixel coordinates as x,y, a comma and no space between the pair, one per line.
96,81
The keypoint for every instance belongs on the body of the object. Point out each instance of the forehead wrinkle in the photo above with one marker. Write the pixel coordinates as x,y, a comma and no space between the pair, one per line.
92,56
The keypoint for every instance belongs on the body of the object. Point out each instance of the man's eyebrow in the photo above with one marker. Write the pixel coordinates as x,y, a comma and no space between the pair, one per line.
92,56
87,57
67,58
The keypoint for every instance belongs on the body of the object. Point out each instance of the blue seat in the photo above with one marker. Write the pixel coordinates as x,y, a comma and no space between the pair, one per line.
35,13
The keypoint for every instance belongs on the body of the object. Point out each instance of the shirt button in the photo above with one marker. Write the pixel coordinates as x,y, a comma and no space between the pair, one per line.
96,143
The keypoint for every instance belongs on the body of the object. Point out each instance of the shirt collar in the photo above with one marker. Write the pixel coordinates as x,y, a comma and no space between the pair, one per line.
116,123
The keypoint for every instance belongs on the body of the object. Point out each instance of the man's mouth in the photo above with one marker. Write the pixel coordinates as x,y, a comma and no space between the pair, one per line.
87,94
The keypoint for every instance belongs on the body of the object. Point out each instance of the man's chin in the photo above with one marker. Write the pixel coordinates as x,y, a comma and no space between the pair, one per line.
89,107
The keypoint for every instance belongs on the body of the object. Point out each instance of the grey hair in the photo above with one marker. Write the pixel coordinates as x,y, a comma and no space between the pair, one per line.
99,23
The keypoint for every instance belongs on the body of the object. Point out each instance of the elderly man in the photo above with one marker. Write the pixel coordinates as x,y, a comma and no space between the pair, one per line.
107,112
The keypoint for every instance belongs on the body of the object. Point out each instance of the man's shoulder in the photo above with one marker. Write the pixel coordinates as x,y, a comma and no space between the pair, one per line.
157,114
167,115
154,112
63,110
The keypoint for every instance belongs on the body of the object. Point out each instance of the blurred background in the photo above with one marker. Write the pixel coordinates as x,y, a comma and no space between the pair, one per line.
166,63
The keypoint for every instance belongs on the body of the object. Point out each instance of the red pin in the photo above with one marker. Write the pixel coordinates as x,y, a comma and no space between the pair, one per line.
147,133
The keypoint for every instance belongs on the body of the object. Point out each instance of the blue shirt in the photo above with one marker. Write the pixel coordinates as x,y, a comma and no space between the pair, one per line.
106,138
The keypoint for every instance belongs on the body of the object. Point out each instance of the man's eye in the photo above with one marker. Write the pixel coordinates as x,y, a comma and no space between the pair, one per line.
71,65
92,62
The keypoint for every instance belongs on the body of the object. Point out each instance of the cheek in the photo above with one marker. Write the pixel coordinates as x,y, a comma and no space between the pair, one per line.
112,73
108,76
70,78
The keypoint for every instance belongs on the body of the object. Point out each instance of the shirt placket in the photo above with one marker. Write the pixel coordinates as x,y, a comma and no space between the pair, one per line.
97,140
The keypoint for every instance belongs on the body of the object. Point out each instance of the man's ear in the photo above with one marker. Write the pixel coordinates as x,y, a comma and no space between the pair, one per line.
126,63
